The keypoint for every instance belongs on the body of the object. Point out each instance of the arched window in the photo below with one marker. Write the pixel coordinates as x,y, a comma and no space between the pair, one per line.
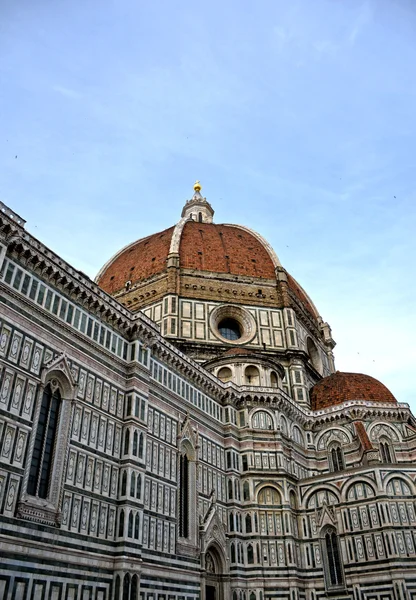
141,446
126,587
252,596
139,486
41,465
274,380
200,217
117,588
231,521
252,375
250,554
336,458
232,552
332,557
386,451
225,374
248,524
135,442
137,526
235,595
127,441
184,497
261,420
246,491
133,485
134,587
130,528
269,496
121,524
123,483
230,489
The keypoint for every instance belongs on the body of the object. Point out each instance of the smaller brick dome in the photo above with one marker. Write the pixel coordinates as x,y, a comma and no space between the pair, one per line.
341,387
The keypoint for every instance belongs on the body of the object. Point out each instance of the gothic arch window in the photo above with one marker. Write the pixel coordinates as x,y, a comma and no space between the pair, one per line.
246,491
47,454
117,588
133,485
130,527
230,489
42,455
139,486
135,443
336,458
184,496
248,524
121,524
188,442
127,441
126,587
141,442
386,451
123,483
250,554
231,521
137,526
134,587
332,558
232,552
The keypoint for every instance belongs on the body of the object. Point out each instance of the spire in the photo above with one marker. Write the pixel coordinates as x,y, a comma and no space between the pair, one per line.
197,208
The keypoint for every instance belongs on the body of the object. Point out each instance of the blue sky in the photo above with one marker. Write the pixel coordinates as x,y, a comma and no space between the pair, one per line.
298,118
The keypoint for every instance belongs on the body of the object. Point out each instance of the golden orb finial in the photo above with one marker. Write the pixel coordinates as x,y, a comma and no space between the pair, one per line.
197,186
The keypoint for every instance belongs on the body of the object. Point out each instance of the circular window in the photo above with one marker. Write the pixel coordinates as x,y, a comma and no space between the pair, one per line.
232,324
230,329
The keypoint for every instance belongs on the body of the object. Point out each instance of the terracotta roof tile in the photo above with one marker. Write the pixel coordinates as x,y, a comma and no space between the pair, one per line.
224,249
340,387
137,262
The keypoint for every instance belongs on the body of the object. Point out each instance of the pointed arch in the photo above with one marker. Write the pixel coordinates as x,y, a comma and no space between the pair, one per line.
42,487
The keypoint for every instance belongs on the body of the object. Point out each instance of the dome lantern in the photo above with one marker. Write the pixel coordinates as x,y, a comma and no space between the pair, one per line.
197,208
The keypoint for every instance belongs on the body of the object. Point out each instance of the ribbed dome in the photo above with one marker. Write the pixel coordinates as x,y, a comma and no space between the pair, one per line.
203,247
340,387
136,262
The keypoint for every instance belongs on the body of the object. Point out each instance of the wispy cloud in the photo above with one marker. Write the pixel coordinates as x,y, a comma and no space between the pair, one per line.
364,17
67,92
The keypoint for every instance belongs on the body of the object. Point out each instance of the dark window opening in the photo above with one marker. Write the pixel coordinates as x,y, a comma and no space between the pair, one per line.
333,558
183,497
41,465
337,459
229,329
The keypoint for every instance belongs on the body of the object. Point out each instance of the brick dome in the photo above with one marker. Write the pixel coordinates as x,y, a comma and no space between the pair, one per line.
203,247
340,387
197,245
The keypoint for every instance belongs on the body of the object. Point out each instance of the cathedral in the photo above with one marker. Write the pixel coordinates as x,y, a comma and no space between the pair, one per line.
177,430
